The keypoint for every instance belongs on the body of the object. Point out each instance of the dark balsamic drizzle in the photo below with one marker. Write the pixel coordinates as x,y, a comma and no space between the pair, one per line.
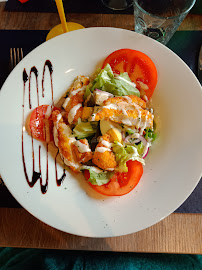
61,179
50,68
25,79
38,175
35,71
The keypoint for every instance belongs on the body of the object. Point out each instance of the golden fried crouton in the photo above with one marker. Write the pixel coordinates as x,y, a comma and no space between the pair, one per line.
103,156
129,99
82,151
86,112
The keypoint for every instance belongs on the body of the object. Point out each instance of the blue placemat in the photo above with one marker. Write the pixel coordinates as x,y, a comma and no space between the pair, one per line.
76,6
184,43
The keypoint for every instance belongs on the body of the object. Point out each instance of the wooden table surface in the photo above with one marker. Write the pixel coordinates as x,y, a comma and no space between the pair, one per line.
178,233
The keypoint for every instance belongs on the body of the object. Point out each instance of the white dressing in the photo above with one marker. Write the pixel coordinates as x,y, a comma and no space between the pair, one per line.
106,143
101,149
83,148
128,82
73,112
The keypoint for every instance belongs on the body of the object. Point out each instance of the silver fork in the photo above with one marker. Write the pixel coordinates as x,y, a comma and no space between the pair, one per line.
16,55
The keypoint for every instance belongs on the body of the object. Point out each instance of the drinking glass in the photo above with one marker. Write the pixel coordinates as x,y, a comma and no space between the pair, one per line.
117,4
159,19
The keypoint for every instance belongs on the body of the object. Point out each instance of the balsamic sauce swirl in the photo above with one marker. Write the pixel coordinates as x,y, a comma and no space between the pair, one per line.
38,175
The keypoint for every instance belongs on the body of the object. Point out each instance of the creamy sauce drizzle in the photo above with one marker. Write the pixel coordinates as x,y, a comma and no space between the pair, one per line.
128,82
71,163
72,113
106,143
93,168
73,93
83,148
101,149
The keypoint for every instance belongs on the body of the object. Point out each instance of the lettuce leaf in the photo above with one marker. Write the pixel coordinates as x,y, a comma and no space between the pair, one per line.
123,154
118,86
150,135
85,129
87,92
98,178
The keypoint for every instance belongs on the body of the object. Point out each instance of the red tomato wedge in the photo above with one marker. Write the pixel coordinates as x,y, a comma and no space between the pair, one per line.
39,124
139,67
121,183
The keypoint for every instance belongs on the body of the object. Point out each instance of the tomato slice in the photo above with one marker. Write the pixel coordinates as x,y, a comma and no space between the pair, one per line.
39,123
140,68
121,183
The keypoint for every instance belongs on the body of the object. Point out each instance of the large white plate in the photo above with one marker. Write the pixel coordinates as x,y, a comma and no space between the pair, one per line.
173,166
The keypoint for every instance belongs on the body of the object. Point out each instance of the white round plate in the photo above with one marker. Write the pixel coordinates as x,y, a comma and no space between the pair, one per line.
173,165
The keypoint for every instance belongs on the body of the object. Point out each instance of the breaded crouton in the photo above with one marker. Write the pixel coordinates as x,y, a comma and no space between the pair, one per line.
82,151
103,156
86,112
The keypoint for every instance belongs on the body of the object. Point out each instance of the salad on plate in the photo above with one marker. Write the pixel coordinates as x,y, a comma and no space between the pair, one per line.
104,127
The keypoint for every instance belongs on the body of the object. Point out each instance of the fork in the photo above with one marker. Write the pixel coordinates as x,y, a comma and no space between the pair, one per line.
16,55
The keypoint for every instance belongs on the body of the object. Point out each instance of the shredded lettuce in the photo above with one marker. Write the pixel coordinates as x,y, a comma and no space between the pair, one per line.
98,178
118,86
140,148
87,93
84,129
129,132
123,154
150,135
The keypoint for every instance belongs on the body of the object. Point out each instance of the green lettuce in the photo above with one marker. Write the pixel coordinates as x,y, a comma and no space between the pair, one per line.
129,152
96,178
118,86
150,135
84,129
87,92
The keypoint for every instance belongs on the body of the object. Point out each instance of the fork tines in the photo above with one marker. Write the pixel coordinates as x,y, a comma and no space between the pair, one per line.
16,55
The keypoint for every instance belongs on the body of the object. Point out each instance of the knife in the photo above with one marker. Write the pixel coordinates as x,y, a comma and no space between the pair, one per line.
200,66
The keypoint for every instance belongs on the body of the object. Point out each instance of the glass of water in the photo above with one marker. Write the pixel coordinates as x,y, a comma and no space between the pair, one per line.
159,19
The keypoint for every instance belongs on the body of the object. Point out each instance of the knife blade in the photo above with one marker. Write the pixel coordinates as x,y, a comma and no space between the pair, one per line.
200,66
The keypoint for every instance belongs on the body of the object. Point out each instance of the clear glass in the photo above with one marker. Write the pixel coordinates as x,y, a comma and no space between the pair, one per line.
159,19
117,4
